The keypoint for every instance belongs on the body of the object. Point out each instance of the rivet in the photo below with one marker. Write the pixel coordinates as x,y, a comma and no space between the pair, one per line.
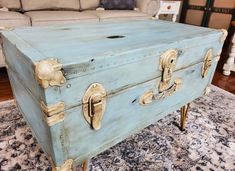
68,86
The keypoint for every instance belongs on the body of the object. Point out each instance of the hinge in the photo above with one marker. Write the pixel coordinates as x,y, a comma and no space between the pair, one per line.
94,103
207,63
53,114
48,73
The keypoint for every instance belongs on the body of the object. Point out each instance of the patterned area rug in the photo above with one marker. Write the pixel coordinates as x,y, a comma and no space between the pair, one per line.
207,144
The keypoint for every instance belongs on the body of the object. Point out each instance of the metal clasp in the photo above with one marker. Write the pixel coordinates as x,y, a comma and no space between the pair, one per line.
167,64
94,103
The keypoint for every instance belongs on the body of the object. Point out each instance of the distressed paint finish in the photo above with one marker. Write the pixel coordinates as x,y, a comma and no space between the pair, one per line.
139,49
126,67
47,137
124,115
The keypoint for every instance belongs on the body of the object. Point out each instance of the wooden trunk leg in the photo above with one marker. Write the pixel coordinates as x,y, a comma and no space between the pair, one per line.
183,112
85,166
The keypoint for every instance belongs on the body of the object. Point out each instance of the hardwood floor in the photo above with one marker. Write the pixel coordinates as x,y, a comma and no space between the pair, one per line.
225,82
5,87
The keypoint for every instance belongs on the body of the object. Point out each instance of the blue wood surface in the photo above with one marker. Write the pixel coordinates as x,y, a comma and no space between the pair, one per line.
138,55
125,116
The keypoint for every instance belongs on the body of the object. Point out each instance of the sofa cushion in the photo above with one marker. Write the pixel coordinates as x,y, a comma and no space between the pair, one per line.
118,14
29,5
42,18
11,4
89,4
13,19
118,4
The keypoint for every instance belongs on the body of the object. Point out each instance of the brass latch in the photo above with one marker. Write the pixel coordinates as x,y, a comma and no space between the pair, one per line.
167,64
94,103
207,63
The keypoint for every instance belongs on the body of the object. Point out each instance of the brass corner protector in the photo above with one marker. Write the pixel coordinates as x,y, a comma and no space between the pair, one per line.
207,91
224,35
53,114
52,109
52,120
217,58
67,166
48,73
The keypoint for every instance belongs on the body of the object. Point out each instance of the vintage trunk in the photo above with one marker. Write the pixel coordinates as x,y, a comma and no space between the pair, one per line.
84,88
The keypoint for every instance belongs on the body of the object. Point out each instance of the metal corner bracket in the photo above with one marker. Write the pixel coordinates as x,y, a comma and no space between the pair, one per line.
67,166
48,73
53,114
207,91
224,35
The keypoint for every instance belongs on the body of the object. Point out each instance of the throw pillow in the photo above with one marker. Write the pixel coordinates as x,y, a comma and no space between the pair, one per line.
118,4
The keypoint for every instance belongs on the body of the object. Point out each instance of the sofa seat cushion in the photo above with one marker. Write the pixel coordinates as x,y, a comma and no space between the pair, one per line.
89,4
43,18
11,4
118,14
13,19
30,5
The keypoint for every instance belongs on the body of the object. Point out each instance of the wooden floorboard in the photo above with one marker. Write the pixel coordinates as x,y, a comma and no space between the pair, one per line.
225,82
5,87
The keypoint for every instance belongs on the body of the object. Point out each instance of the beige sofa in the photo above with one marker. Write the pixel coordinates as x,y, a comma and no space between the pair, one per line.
19,13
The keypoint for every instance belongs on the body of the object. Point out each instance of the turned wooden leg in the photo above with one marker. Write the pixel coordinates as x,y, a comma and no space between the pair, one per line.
85,166
183,112
174,18
230,64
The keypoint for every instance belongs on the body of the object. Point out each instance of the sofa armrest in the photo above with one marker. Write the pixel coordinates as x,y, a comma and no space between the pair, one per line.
150,7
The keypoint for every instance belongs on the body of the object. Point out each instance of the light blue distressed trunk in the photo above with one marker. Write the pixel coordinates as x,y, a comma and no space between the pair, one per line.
127,64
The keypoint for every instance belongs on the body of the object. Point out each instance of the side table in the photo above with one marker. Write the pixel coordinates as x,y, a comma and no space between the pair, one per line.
230,64
169,7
